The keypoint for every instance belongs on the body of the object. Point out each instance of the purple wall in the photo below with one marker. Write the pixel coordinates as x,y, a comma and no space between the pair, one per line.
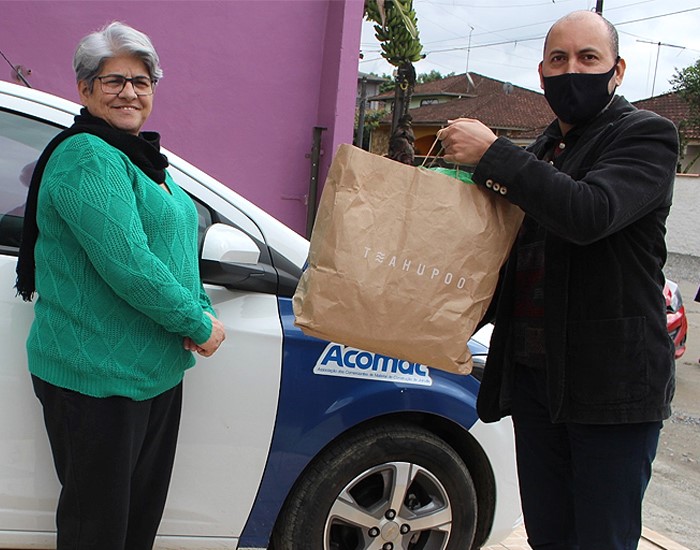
245,83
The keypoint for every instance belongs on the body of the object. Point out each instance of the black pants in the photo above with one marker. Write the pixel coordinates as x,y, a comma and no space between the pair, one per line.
114,458
581,485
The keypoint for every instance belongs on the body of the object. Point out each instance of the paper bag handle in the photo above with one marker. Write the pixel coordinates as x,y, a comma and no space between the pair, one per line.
436,155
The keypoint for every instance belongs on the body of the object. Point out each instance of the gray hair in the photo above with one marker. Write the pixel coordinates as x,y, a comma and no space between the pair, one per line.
110,41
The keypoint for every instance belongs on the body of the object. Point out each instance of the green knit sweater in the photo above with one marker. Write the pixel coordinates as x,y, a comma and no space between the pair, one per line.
117,276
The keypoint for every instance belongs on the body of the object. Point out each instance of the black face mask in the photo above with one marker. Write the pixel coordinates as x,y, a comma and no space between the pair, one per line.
578,97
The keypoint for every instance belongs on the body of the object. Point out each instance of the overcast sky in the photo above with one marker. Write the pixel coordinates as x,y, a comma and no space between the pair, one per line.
507,38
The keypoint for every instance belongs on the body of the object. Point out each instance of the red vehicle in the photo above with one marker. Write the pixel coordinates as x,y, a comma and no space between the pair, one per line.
676,321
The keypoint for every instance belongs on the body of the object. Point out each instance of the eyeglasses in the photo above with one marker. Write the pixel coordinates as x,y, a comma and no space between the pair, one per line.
115,83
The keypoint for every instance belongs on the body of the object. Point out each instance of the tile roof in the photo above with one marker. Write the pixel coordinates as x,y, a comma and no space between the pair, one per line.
504,106
496,110
450,85
673,107
497,104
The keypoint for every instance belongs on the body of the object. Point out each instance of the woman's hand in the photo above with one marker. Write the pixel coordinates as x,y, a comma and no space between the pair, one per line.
465,141
189,345
207,349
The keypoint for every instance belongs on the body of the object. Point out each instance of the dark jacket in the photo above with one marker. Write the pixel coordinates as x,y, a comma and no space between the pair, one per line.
603,204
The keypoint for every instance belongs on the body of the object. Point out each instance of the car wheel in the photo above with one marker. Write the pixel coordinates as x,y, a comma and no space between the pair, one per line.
388,487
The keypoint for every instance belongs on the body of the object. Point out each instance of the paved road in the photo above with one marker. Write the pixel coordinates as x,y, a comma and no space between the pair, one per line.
672,505
650,540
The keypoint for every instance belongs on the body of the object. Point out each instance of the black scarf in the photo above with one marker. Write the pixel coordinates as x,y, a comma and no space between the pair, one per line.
143,150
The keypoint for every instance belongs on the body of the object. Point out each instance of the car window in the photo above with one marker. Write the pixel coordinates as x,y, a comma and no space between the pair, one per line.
208,216
204,217
22,139
222,211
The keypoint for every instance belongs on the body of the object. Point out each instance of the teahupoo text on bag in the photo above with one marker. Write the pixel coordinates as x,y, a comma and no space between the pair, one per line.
418,268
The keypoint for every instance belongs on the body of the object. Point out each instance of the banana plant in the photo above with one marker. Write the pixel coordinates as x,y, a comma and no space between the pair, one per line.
396,28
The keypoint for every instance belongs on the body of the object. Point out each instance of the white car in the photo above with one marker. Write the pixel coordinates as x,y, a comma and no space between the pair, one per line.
282,444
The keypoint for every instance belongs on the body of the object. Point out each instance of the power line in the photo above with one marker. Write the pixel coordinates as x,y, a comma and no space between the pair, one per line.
487,45
546,22
656,16
541,37
552,21
455,50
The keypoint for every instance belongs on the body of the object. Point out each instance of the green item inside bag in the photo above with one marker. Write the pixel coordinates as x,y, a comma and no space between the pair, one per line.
461,175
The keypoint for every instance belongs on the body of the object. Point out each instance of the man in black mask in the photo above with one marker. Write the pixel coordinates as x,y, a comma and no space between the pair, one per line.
580,357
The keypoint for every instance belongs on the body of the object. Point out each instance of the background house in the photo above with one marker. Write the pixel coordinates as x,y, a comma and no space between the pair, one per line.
248,85
511,111
368,86
675,108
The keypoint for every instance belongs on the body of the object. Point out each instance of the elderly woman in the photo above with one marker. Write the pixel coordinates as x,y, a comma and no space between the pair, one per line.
110,246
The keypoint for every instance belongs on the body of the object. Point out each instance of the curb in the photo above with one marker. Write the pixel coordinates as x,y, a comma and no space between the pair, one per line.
650,540
659,541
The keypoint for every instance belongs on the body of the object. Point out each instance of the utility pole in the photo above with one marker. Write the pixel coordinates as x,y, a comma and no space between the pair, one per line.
360,137
469,47
599,7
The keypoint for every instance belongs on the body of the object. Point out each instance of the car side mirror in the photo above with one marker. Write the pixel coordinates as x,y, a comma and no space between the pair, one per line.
231,258
227,245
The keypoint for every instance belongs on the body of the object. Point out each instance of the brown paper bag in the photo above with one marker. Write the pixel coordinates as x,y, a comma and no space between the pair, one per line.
403,261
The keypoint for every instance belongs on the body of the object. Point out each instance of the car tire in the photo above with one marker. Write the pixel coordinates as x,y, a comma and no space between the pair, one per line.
391,486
